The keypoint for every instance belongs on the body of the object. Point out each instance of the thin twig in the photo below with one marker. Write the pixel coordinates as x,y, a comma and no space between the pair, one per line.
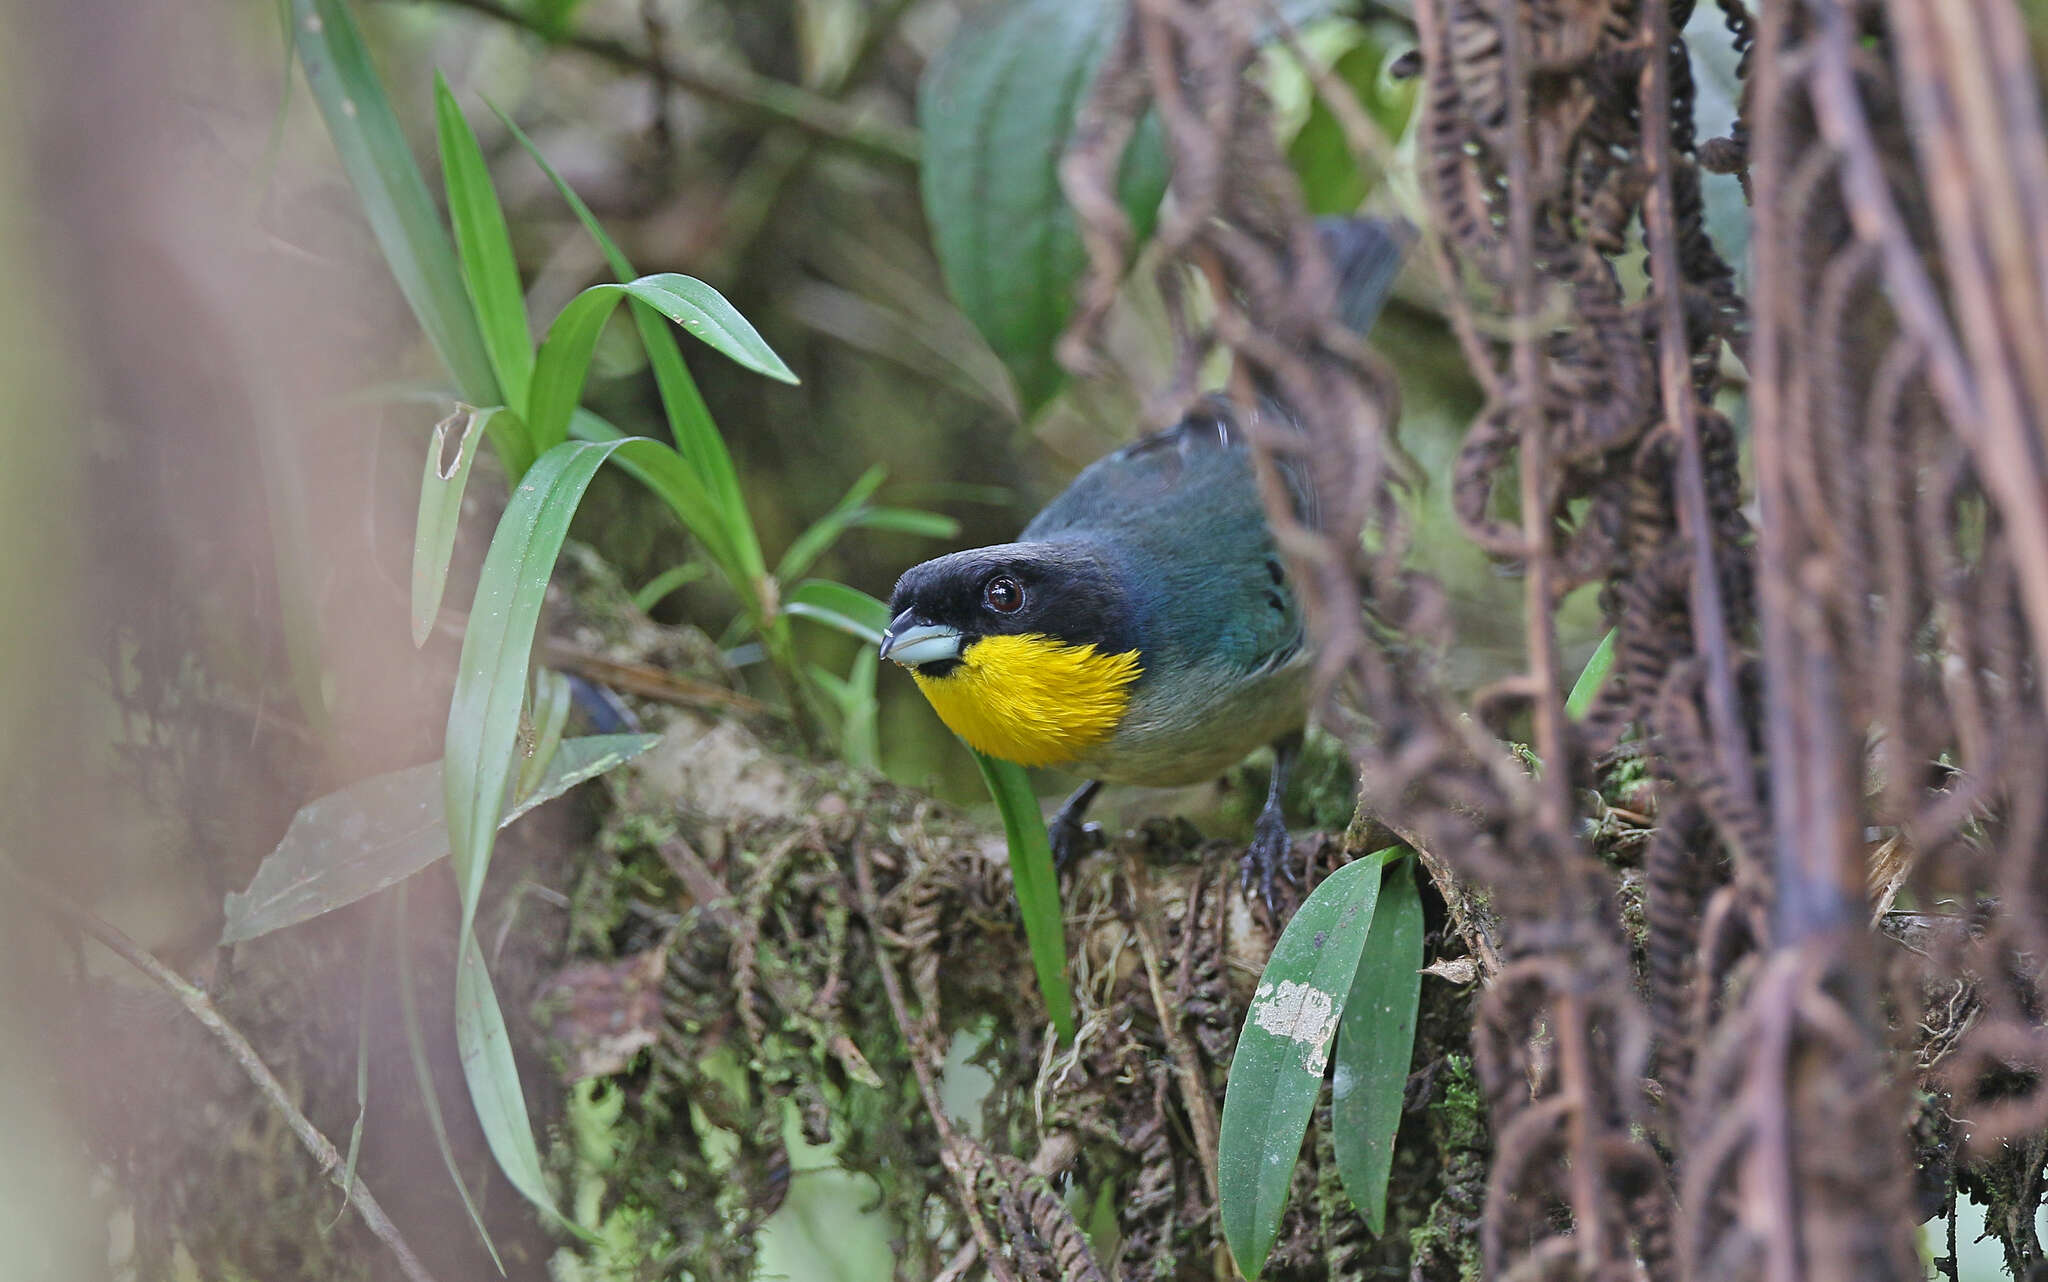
735,87
1709,612
201,1007
927,1084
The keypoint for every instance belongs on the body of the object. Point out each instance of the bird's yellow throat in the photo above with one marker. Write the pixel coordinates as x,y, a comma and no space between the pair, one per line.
1032,699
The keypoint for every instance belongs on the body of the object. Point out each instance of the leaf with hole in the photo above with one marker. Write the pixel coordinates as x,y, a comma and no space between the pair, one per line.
451,450
1283,1053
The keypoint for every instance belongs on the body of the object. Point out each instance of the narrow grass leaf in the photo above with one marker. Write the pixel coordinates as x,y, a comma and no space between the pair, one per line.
489,268
689,419
1375,1041
1593,676
373,834
705,314
657,589
805,549
440,516
564,360
835,605
1282,1055
1037,885
672,480
381,167
423,1072
490,683
493,1077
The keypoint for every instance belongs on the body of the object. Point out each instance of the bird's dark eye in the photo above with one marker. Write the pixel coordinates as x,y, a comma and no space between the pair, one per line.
1003,594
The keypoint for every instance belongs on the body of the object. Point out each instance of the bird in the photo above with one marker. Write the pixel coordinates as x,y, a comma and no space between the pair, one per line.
1141,629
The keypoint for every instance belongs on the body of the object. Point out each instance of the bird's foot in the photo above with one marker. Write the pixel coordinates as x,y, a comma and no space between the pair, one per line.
1071,839
1266,859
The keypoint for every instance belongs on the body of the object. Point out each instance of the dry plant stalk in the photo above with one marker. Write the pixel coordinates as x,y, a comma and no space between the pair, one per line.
1871,662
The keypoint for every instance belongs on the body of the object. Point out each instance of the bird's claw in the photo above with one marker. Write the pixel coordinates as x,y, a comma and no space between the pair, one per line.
1266,859
1071,840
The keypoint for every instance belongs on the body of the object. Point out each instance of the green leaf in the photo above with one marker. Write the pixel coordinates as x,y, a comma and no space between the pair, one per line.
1282,1054
1332,179
850,610
441,490
676,483
1594,675
689,419
997,110
402,216
489,269
564,360
493,1077
656,589
1037,885
423,1072
348,845
805,549
490,683
1375,1041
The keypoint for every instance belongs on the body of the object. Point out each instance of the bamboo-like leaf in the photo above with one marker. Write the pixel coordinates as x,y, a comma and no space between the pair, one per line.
440,517
1283,1053
1375,1041
564,360
676,483
1036,883
835,605
657,589
376,832
689,419
493,1077
381,167
805,549
423,1072
490,683
489,269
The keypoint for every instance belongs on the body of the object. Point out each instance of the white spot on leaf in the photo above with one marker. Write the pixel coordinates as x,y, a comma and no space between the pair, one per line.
1301,1013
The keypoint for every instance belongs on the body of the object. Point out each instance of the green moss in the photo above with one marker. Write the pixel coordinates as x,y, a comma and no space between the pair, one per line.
1446,1243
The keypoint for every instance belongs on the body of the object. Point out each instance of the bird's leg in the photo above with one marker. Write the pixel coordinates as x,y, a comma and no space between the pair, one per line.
1072,838
1270,846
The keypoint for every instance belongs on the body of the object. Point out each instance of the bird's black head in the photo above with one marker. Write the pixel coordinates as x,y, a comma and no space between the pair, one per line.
1062,590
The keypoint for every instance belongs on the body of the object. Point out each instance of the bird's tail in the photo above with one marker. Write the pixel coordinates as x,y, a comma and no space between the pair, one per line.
1365,254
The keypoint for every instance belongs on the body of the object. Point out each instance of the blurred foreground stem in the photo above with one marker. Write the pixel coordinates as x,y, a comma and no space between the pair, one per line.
201,1007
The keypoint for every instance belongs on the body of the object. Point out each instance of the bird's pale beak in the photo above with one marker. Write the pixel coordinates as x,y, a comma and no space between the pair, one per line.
914,643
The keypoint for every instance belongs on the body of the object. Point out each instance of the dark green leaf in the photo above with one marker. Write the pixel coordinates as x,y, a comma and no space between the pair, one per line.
1037,885
997,109
351,844
1282,1055
1375,1041
402,215
441,490
489,268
